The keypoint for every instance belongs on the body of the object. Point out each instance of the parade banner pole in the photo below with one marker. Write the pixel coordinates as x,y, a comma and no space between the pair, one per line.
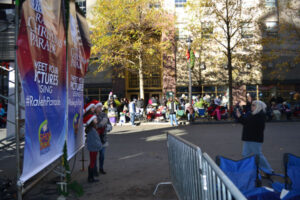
64,157
67,67
17,136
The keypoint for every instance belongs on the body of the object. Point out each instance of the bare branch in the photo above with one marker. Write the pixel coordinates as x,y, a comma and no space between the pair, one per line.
218,41
238,42
222,27
237,29
218,13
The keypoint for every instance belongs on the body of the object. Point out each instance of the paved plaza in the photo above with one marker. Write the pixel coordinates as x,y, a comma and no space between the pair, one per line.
136,159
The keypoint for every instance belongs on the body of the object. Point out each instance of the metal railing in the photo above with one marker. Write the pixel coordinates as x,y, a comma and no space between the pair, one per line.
195,176
185,168
219,186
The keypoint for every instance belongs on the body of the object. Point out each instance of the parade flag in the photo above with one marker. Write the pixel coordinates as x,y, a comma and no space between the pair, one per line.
78,57
41,57
190,56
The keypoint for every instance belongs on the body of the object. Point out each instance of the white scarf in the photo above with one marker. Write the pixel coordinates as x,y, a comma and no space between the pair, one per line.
259,106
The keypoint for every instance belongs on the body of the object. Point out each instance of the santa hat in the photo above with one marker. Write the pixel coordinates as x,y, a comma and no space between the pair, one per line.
88,119
88,106
97,103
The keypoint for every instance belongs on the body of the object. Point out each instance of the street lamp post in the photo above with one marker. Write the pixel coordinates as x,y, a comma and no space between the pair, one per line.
189,42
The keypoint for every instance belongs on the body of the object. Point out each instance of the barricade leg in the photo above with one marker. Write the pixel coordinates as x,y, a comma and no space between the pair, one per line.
162,183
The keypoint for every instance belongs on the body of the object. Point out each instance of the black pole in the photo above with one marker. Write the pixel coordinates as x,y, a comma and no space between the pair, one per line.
17,136
190,85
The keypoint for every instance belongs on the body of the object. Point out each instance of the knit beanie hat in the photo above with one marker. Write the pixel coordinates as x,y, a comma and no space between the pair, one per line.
88,119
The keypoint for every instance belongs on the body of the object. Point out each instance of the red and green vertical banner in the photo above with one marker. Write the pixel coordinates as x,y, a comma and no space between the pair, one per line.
190,56
78,57
41,58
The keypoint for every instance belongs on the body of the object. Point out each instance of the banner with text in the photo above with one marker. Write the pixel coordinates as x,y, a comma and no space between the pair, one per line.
41,60
78,55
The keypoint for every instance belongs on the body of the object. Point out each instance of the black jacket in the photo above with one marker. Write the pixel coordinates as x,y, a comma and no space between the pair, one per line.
253,127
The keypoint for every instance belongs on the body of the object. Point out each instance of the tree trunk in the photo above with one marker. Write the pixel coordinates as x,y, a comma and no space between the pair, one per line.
229,58
230,80
141,76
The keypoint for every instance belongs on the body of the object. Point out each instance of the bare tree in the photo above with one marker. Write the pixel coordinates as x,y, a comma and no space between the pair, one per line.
229,37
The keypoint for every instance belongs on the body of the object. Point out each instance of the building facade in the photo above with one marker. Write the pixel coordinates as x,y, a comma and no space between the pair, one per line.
7,43
273,69
276,74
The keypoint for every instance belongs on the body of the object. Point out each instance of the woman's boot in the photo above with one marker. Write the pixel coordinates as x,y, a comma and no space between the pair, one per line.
90,175
95,171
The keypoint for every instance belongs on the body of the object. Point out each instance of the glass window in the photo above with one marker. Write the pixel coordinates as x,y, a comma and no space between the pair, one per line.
206,29
270,3
248,3
251,87
222,88
196,89
209,89
180,34
272,28
151,80
82,5
247,30
100,94
133,80
180,3
182,89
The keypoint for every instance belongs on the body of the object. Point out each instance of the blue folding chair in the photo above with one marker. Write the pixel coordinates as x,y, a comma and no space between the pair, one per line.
291,177
201,112
244,174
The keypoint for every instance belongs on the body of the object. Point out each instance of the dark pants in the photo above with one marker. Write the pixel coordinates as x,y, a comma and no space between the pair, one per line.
101,157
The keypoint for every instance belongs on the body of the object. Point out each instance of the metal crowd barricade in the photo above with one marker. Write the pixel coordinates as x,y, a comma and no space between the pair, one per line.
185,168
219,186
195,176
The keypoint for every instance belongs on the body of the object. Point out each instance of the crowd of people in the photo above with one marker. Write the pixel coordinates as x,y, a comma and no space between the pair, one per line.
276,109
206,106
124,110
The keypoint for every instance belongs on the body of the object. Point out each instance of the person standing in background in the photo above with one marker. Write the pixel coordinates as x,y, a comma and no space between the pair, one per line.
172,108
253,133
102,129
93,143
112,114
132,111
